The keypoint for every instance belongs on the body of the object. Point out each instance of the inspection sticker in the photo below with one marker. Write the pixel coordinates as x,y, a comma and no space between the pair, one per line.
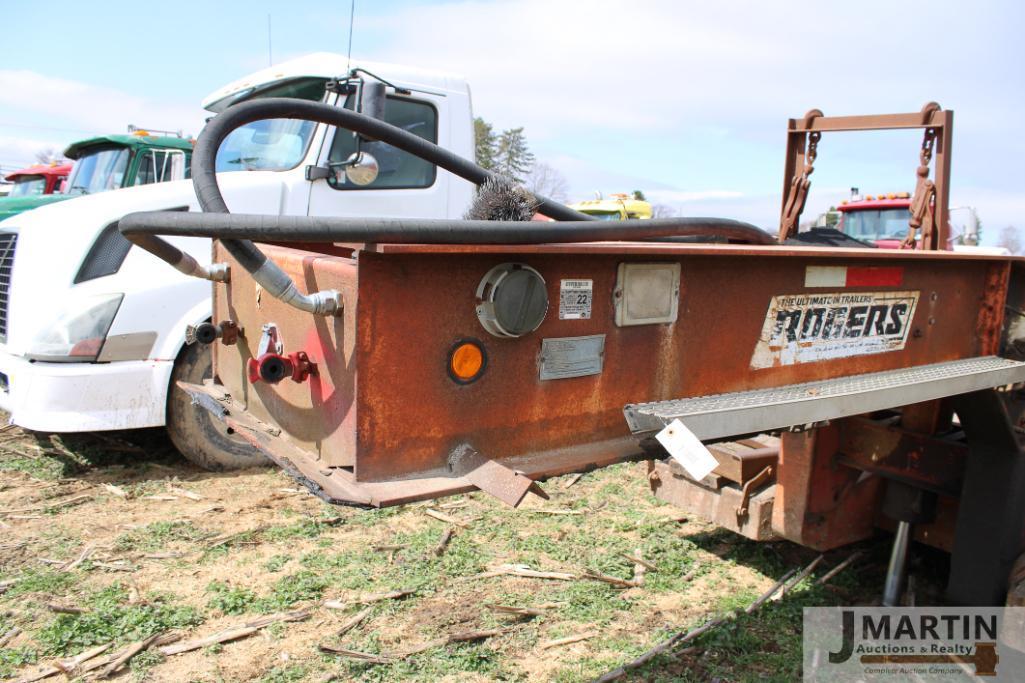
687,449
575,299
806,328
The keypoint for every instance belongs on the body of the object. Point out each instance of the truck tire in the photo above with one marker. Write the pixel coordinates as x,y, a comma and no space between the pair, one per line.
198,435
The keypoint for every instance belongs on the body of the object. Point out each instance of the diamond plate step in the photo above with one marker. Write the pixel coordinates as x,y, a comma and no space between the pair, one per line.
749,412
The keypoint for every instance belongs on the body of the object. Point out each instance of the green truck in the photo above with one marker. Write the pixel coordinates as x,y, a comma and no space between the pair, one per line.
109,162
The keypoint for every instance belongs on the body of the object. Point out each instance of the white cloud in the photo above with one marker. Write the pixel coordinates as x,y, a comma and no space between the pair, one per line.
58,111
715,82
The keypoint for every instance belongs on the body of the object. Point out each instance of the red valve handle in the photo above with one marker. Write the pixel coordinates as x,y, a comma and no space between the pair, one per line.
274,367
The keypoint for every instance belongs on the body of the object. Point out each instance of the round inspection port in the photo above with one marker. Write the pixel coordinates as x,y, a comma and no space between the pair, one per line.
512,300
467,361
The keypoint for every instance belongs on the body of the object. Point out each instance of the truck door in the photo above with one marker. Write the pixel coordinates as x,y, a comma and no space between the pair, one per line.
406,185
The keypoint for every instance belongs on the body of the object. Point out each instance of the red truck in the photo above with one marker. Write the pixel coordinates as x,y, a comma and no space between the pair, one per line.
38,179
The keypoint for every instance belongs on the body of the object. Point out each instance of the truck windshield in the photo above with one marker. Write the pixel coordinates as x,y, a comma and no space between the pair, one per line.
28,186
98,171
877,224
272,144
605,215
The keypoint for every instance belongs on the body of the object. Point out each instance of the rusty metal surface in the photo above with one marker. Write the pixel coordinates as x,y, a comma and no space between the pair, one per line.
718,505
635,248
739,462
383,404
502,482
992,307
803,138
922,461
410,412
339,485
318,414
820,503
939,533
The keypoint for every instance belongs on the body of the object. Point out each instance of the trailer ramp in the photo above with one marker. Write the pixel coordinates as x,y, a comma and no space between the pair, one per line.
721,416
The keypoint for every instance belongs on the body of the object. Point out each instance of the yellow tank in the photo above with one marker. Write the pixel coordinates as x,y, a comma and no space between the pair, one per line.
617,207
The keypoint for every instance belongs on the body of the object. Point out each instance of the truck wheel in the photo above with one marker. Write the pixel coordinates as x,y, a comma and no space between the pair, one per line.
199,436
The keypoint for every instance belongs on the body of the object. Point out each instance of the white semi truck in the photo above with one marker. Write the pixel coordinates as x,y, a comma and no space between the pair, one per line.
93,332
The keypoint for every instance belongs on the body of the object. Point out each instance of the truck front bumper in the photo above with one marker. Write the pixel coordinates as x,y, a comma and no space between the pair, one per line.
84,397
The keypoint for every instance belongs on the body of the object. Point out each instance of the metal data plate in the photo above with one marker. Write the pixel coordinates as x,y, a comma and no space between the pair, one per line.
563,357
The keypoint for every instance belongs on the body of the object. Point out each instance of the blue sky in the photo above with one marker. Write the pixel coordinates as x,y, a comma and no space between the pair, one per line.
685,100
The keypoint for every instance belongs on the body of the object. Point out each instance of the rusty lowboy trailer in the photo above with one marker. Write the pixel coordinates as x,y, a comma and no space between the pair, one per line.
449,367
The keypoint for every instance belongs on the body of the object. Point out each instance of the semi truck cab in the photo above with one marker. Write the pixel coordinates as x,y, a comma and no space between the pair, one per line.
93,334
106,162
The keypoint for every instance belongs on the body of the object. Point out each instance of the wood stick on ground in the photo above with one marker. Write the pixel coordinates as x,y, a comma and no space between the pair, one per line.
115,567
184,493
556,511
454,505
354,621
439,549
390,547
355,654
235,633
116,490
802,576
9,636
572,480
685,636
367,599
226,539
462,637
525,571
67,502
839,568
66,666
522,611
614,580
640,568
441,516
769,593
568,640
65,609
86,553
126,654
4,585
637,559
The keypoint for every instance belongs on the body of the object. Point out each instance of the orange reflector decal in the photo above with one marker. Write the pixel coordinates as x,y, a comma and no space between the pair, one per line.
466,361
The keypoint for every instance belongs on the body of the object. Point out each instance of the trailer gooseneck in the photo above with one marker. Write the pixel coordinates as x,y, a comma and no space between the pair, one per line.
480,355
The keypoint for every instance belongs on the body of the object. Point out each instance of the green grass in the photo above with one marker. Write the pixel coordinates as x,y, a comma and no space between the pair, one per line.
110,618
286,674
42,580
12,659
159,535
230,599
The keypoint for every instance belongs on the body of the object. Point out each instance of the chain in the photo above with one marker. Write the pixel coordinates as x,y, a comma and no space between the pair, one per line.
798,193
925,194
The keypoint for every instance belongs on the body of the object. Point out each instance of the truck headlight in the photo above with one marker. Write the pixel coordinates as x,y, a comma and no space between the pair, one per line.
79,331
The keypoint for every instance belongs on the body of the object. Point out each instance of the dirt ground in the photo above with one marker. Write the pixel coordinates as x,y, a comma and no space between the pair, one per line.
120,531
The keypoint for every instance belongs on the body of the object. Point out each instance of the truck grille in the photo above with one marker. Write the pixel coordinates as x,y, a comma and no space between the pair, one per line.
8,240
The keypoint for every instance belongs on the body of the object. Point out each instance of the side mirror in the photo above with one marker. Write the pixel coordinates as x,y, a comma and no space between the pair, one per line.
372,99
361,168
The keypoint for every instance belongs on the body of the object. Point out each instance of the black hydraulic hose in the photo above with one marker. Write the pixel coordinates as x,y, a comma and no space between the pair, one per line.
204,157
236,231
264,228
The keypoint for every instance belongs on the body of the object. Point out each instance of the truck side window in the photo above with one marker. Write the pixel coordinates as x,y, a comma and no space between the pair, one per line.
154,166
398,169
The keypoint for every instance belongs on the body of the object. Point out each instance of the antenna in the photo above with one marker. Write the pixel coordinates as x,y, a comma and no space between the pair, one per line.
270,58
352,15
